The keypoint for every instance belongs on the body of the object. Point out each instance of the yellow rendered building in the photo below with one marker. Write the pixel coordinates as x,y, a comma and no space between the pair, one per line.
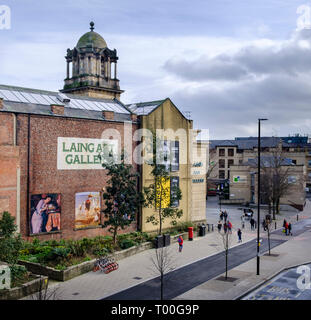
175,129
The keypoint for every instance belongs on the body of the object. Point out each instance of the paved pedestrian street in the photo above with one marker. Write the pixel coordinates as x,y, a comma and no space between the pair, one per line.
198,268
281,287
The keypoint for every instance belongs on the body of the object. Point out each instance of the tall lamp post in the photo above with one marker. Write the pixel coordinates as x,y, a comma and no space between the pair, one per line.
258,197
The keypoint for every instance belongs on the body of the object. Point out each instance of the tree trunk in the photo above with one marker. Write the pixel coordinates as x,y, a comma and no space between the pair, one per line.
278,206
226,264
115,231
273,207
269,239
160,220
226,256
162,285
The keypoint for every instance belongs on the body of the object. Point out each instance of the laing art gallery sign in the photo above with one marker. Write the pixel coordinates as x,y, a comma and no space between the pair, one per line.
81,153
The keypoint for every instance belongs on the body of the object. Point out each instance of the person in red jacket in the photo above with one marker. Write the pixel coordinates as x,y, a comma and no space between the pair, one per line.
286,228
181,243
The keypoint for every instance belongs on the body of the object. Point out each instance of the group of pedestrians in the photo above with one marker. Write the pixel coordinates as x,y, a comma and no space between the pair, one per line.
227,225
224,222
287,228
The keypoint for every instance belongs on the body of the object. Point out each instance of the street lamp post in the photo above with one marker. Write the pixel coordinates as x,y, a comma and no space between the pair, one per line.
258,198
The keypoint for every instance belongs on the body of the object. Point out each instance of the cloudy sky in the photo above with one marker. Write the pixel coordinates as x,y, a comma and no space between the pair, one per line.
228,62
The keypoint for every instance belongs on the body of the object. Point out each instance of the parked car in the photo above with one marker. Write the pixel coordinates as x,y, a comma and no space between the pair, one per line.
212,192
248,212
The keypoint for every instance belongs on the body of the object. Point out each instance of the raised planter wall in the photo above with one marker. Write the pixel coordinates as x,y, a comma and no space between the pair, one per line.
24,290
84,267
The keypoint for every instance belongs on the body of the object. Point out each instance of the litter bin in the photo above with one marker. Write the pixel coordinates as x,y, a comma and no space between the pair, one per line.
167,240
159,241
190,233
202,230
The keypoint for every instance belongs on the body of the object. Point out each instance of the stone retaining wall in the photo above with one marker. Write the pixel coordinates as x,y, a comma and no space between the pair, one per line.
84,267
24,290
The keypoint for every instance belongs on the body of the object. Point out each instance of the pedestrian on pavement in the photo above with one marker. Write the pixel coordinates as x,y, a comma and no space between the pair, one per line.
239,235
290,229
221,216
225,215
181,243
243,221
286,228
219,226
284,223
225,227
229,224
252,222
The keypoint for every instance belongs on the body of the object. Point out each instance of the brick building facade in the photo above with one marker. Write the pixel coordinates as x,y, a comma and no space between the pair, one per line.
51,178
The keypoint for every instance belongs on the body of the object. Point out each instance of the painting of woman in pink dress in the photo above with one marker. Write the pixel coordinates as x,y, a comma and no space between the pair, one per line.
41,206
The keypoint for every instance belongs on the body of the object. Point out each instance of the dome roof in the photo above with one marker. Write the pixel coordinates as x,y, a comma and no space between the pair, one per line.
92,39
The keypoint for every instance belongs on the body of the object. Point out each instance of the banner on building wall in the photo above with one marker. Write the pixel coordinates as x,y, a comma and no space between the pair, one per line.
45,213
163,189
87,209
81,153
237,179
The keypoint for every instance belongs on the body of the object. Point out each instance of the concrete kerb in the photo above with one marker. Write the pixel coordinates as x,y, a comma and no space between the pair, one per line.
265,281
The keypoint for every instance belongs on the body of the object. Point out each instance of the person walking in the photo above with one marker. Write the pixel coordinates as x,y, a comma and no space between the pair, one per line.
225,227
290,229
252,222
229,224
243,221
181,243
239,236
219,226
286,228
221,216
225,215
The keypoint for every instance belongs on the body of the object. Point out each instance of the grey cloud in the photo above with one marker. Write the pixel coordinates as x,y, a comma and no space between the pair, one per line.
250,61
221,68
284,100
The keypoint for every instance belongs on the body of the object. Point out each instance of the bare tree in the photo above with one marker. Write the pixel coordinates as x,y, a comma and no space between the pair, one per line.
163,264
268,226
46,293
275,182
226,234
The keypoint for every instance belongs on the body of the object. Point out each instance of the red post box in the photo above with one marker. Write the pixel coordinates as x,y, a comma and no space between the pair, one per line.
190,233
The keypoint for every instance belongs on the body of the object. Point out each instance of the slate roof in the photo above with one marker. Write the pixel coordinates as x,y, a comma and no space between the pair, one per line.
144,108
268,161
33,101
252,142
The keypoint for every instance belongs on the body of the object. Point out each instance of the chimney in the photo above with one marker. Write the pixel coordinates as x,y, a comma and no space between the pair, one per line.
108,115
58,109
1,103
134,117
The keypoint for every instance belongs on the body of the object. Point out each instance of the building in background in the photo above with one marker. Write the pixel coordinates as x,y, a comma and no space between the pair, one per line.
198,182
51,177
229,155
178,139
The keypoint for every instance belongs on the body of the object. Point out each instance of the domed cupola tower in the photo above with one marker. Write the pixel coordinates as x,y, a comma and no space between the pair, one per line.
92,68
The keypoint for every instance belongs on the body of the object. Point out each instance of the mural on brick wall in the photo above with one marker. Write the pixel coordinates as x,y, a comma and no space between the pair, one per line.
45,213
87,210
